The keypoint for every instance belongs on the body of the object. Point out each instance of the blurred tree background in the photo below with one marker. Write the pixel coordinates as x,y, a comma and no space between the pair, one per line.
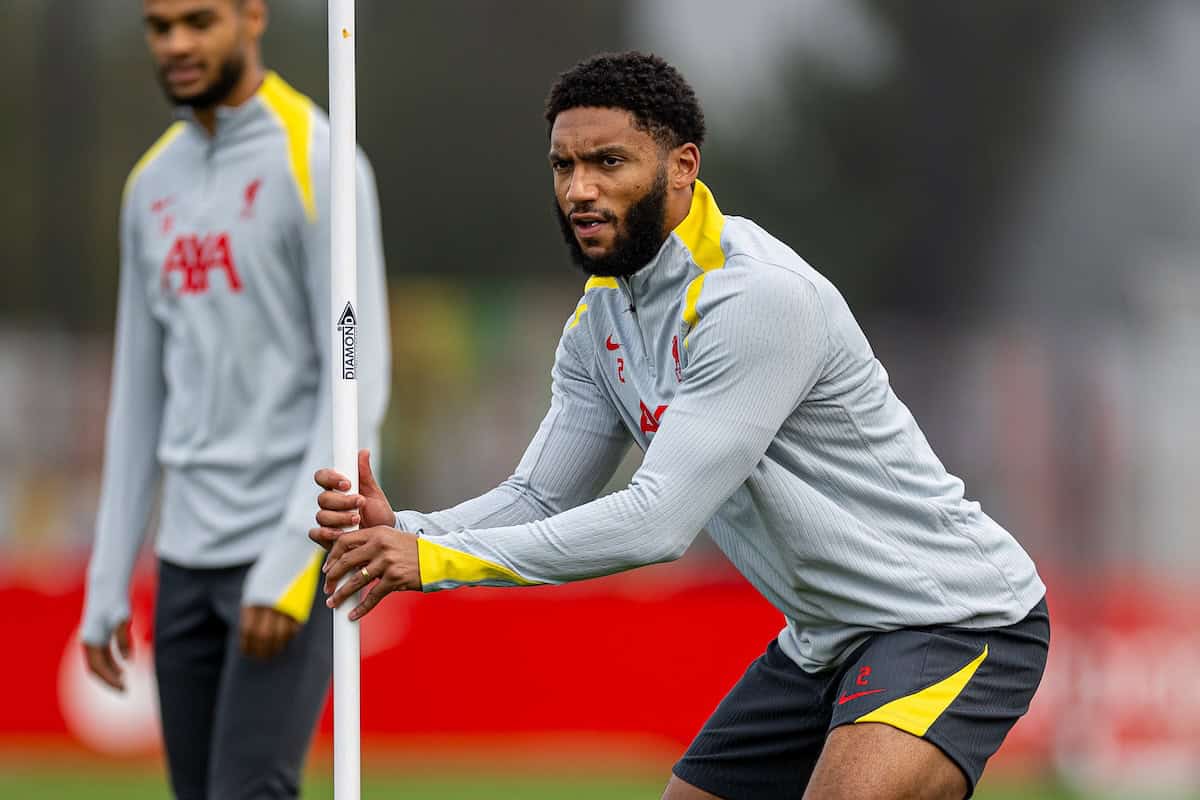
889,184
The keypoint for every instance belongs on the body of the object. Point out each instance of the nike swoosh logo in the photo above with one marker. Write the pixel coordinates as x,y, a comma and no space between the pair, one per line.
846,698
611,345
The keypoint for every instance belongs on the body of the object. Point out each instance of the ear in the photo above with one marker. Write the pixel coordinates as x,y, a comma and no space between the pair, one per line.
685,165
256,15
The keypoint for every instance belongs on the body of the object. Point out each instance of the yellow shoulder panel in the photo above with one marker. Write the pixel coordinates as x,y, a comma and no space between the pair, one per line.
700,233
296,600
598,282
594,282
295,114
151,154
916,712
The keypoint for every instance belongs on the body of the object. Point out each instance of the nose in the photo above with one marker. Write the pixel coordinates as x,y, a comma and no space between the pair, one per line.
177,41
582,188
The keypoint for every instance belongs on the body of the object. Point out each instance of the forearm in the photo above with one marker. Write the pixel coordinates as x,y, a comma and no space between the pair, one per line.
651,521
285,575
510,503
586,542
121,528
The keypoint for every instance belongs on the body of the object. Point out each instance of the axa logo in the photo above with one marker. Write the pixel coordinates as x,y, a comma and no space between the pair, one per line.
190,260
250,195
651,419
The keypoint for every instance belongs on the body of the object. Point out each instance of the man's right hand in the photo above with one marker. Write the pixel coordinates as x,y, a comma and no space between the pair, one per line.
103,664
367,509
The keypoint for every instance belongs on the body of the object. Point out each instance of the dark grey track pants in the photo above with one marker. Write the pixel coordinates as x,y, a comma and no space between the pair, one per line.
235,728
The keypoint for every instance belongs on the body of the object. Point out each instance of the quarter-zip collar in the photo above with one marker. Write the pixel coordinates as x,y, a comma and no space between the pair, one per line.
230,119
698,234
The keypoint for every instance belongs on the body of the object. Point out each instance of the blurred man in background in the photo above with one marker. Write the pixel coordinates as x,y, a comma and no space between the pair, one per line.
916,627
221,377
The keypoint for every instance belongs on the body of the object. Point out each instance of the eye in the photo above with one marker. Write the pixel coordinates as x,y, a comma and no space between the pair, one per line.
612,161
157,27
202,21
560,165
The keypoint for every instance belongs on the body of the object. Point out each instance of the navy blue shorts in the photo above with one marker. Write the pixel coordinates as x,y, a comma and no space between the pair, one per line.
961,689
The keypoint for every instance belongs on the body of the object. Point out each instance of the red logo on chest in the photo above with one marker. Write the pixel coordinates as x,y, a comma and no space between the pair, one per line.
165,220
251,195
651,419
192,257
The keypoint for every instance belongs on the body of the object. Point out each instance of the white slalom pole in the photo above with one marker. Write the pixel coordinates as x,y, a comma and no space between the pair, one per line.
344,304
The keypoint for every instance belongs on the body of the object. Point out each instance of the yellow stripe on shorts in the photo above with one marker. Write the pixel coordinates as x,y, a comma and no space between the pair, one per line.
915,713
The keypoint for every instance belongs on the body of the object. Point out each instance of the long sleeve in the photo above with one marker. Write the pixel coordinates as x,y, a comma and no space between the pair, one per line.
130,474
575,451
285,575
756,351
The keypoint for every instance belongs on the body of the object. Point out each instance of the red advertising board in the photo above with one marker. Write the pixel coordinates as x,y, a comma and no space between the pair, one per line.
640,658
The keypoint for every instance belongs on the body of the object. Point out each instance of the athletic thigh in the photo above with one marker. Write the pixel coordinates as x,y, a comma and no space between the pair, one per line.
764,738
189,652
958,689
872,761
267,709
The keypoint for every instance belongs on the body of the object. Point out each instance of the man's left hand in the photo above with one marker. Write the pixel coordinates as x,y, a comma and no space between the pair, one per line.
265,631
382,555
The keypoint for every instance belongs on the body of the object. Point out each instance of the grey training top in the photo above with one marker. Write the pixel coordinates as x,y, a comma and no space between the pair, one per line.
222,352
765,417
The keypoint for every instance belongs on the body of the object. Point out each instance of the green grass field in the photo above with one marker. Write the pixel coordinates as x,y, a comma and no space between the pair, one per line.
43,782
43,786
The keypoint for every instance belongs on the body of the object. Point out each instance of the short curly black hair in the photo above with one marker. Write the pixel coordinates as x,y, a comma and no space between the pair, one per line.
661,101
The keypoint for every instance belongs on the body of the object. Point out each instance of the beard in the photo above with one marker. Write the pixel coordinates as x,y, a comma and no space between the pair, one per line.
639,236
228,77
